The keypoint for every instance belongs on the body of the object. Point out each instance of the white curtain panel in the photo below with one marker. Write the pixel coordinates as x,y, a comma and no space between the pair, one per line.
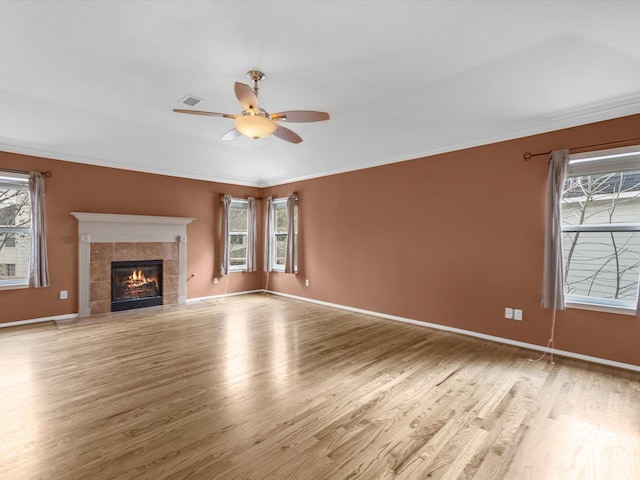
39,264
553,276
290,264
224,234
251,234
268,235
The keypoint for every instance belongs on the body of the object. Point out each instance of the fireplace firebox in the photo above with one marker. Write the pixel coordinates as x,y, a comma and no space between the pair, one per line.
136,284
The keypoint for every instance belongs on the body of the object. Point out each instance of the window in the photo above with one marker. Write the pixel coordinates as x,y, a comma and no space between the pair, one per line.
8,269
280,234
238,235
601,228
15,229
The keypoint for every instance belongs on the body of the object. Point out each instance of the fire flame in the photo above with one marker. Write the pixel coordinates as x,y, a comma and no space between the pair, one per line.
138,278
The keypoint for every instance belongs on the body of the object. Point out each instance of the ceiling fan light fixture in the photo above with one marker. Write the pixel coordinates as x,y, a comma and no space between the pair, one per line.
255,126
255,122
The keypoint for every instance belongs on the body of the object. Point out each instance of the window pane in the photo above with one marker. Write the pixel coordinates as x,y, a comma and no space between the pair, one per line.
281,222
602,264
281,229
237,249
238,218
281,248
15,249
15,208
603,198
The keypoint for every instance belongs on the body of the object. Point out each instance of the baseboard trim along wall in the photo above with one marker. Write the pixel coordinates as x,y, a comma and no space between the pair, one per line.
71,316
470,333
40,320
224,295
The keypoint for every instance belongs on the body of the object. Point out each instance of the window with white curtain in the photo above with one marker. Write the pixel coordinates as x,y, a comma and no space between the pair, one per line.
280,234
601,228
15,229
238,235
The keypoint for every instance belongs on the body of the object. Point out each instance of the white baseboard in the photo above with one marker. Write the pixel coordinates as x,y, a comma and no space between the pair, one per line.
470,333
76,315
217,297
40,320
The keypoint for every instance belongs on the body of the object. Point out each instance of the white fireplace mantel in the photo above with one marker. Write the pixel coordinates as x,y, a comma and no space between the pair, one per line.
107,227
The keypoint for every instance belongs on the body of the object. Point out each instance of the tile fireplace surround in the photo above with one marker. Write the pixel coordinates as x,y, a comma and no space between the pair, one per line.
104,237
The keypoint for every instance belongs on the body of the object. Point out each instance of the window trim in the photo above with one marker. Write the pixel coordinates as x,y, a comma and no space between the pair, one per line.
585,303
594,163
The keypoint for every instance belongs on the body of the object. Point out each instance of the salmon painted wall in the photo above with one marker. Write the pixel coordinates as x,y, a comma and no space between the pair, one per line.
450,239
75,187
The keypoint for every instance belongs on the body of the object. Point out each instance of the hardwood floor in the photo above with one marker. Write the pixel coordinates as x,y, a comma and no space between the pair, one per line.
263,387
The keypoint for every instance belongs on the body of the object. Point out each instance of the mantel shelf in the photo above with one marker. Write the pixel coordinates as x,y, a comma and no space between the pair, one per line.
139,219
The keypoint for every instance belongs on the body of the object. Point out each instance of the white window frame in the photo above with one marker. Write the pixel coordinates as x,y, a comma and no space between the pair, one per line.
593,163
15,181
238,203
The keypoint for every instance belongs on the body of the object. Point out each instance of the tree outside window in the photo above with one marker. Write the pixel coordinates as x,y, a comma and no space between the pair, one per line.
601,236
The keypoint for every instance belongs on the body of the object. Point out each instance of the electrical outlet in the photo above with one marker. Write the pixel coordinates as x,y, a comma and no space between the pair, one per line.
307,282
215,281
517,314
64,294
508,313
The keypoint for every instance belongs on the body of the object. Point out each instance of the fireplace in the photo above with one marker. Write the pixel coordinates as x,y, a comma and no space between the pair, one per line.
107,237
136,284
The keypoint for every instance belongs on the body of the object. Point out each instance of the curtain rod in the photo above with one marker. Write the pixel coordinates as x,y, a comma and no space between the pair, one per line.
46,173
260,198
528,155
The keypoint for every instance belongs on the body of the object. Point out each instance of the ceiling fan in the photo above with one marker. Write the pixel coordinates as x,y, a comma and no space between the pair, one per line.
255,122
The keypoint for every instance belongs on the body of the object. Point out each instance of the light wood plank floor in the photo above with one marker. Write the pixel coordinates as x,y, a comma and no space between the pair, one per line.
262,387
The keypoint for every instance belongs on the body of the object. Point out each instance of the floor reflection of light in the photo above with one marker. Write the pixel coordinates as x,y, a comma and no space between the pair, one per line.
237,354
17,413
584,447
280,356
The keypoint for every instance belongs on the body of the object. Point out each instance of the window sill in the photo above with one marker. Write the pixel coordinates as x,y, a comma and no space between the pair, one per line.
278,270
14,286
600,308
237,269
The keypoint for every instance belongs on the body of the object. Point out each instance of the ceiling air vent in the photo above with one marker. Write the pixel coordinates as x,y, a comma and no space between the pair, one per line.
191,100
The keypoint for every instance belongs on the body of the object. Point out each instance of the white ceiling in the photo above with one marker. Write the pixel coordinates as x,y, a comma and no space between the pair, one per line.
95,81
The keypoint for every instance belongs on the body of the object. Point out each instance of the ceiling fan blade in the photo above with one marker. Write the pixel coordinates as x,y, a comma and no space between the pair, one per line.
247,97
287,135
300,116
231,135
207,114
